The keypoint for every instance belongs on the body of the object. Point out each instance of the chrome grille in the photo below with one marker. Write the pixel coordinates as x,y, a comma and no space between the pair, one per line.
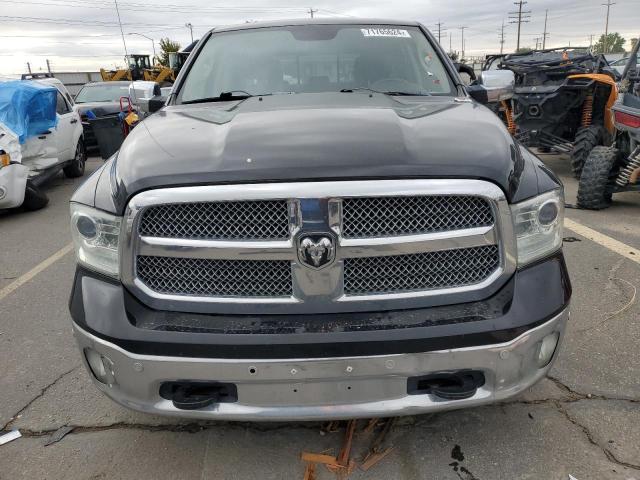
216,278
388,216
257,220
420,271
236,249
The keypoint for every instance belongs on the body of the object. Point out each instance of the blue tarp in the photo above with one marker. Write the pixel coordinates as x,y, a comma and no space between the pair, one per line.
28,108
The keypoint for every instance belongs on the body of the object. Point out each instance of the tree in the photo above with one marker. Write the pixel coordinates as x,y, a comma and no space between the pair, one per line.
524,50
453,56
614,44
167,46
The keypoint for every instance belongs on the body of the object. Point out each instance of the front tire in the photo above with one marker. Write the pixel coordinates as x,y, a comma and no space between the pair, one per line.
586,139
76,168
598,174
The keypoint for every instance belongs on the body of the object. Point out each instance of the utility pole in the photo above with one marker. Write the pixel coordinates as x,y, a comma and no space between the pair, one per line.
502,37
519,17
190,27
545,34
450,47
606,26
537,39
462,53
28,67
440,30
48,65
590,41
312,11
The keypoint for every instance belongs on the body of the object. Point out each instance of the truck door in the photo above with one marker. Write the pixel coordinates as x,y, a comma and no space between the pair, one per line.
67,123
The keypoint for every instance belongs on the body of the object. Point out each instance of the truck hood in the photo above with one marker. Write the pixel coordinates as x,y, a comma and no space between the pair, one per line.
329,136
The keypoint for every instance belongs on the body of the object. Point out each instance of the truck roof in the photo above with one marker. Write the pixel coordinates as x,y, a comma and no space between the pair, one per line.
315,21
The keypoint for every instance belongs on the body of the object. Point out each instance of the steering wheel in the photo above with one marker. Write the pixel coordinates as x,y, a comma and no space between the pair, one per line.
395,85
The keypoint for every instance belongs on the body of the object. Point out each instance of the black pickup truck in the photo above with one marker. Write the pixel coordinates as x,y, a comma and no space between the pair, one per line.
320,222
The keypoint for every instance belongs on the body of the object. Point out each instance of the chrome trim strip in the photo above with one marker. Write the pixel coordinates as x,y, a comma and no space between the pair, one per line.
215,249
328,190
406,244
320,291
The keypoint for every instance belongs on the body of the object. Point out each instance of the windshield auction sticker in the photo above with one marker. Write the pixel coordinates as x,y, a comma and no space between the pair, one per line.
385,32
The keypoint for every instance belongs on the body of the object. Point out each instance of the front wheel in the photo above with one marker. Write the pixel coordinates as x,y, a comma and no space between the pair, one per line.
76,167
598,176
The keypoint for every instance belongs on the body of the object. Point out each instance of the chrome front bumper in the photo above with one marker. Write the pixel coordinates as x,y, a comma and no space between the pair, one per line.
324,388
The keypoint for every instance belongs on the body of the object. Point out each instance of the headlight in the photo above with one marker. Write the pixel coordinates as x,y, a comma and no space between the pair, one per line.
538,225
95,237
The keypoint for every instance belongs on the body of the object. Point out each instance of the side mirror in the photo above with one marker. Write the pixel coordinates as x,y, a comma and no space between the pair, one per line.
493,86
467,70
156,103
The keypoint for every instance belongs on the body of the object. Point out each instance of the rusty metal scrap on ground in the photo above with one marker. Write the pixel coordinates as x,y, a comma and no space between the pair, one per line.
345,462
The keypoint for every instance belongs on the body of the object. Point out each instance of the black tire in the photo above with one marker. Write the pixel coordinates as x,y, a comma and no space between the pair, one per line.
76,168
34,198
586,139
598,175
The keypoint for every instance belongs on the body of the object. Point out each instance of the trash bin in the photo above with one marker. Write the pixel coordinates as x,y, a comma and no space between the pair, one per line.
108,132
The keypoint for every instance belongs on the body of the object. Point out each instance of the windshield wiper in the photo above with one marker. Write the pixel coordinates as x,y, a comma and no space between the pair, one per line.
226,97
389,93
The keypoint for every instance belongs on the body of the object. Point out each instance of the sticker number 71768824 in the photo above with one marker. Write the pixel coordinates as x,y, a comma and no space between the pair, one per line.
385,32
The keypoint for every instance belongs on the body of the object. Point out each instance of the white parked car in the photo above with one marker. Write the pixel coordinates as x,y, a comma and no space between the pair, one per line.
41,156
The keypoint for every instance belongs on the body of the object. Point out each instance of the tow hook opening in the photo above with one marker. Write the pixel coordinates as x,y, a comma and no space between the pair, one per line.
186,395
447,385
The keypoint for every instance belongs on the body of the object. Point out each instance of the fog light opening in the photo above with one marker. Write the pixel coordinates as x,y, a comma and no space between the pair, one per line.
547,348
101,366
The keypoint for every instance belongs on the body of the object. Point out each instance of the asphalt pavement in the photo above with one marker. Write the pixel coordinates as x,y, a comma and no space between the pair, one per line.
582,421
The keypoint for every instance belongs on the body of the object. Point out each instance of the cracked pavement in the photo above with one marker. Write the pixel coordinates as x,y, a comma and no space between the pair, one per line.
581,421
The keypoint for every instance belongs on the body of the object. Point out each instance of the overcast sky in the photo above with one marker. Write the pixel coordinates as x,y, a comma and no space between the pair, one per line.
78,35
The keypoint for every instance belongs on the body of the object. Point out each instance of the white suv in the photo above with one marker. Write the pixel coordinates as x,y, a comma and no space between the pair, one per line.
60,148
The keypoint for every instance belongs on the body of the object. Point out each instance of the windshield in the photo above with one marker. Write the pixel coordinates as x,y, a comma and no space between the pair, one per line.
317,58
102,93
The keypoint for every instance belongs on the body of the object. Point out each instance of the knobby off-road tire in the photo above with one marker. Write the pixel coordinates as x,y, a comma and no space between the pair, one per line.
76,167
598,173
586,139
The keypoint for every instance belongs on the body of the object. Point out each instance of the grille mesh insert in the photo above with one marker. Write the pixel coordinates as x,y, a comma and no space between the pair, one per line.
388,216
203,277
260,220
420,271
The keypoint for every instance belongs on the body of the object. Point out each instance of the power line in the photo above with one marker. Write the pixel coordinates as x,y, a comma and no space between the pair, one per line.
158,8
95,23
519,17
605,47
